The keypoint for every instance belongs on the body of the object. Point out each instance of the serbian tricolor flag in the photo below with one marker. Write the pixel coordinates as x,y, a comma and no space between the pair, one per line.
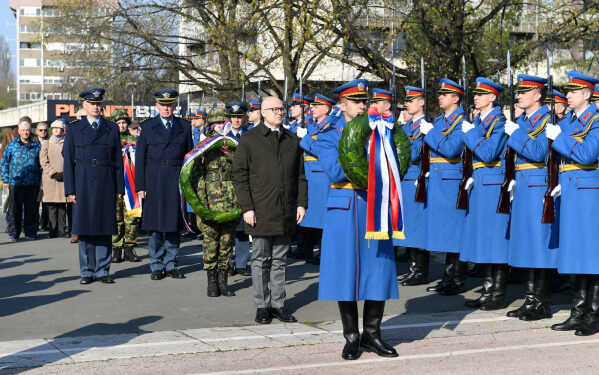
132,201
384,187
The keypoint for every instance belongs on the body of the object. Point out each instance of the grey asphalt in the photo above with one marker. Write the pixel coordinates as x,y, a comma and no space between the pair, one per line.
40,295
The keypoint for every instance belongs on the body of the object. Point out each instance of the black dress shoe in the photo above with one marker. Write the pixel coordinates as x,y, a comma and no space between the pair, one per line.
588,328
438,287
263,316
452,289
497,304
417,278
86,280
282,314
158,275
379,346
175,274
571,324
106,280
243,271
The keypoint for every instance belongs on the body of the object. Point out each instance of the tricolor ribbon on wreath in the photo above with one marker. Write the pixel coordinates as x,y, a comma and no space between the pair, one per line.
132,201
384,185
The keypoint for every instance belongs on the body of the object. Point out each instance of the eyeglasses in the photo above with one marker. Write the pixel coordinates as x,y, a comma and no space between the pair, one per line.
42,130
276,109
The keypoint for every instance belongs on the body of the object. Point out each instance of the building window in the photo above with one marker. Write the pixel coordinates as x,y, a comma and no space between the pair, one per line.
30,45
30,96
30,63
51,11
30,11
29,28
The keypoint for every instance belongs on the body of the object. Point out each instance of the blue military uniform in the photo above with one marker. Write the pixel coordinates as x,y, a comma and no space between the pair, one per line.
254,106
533,244
307,119
486,231
352,268
578,145
93,173
318,186
442,223
161,148
413,211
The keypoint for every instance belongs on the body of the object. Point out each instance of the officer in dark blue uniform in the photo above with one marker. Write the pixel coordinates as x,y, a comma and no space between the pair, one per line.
238,263
161,147
237,111
93,180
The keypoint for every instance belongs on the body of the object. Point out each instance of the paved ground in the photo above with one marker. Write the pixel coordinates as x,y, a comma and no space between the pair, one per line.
47,318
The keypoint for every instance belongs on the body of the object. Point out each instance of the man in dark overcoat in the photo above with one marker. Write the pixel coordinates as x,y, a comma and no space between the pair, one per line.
93,181
161,147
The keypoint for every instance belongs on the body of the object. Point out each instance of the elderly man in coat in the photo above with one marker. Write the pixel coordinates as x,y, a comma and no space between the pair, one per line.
161,147
93,181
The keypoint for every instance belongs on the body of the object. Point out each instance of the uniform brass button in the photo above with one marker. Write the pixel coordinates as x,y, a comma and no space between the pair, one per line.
359,197
435,169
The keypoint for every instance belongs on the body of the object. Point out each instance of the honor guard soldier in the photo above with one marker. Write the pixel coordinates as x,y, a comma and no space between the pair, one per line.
560,104
296,108
413,211
237,111
253,114
352,268
595,97
215,191
198,122
93,181
127,215
161,147
533,244
310,231
443,223
577,141
485,231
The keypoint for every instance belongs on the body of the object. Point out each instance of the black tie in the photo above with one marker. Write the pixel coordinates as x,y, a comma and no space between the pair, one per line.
574,117
95,125
168,125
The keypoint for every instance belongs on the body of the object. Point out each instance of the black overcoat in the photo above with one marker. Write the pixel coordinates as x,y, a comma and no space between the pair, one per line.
93,172
158,158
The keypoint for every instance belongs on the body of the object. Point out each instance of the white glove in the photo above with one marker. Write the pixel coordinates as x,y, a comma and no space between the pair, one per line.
552,131
425,176
467,126
425,127
469,184
556,192
301,132
511,189
510,127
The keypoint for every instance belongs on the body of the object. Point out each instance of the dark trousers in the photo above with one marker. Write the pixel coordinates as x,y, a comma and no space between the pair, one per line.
163,248
44,219
57,218
242,251
70,215
95,255
307,239
23,209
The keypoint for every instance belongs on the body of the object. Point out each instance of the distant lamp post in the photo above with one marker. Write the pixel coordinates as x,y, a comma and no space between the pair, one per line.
133,86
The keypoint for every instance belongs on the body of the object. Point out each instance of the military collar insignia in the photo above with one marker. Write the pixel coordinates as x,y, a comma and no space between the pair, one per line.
536,118
452,117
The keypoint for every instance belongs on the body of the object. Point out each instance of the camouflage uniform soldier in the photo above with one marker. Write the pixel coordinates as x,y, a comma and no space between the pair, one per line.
216,192
127,225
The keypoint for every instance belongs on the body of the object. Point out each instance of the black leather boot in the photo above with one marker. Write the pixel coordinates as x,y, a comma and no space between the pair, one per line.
411,253
591,323
351,331
448,272
541,308
130,254
212,283
529,295
579,308
501,273
457,284
403,257
117,254
223,286
371,336
488,283
419,275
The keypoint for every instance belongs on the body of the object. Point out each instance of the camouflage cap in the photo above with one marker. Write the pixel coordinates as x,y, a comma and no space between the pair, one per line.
120,114
218,114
